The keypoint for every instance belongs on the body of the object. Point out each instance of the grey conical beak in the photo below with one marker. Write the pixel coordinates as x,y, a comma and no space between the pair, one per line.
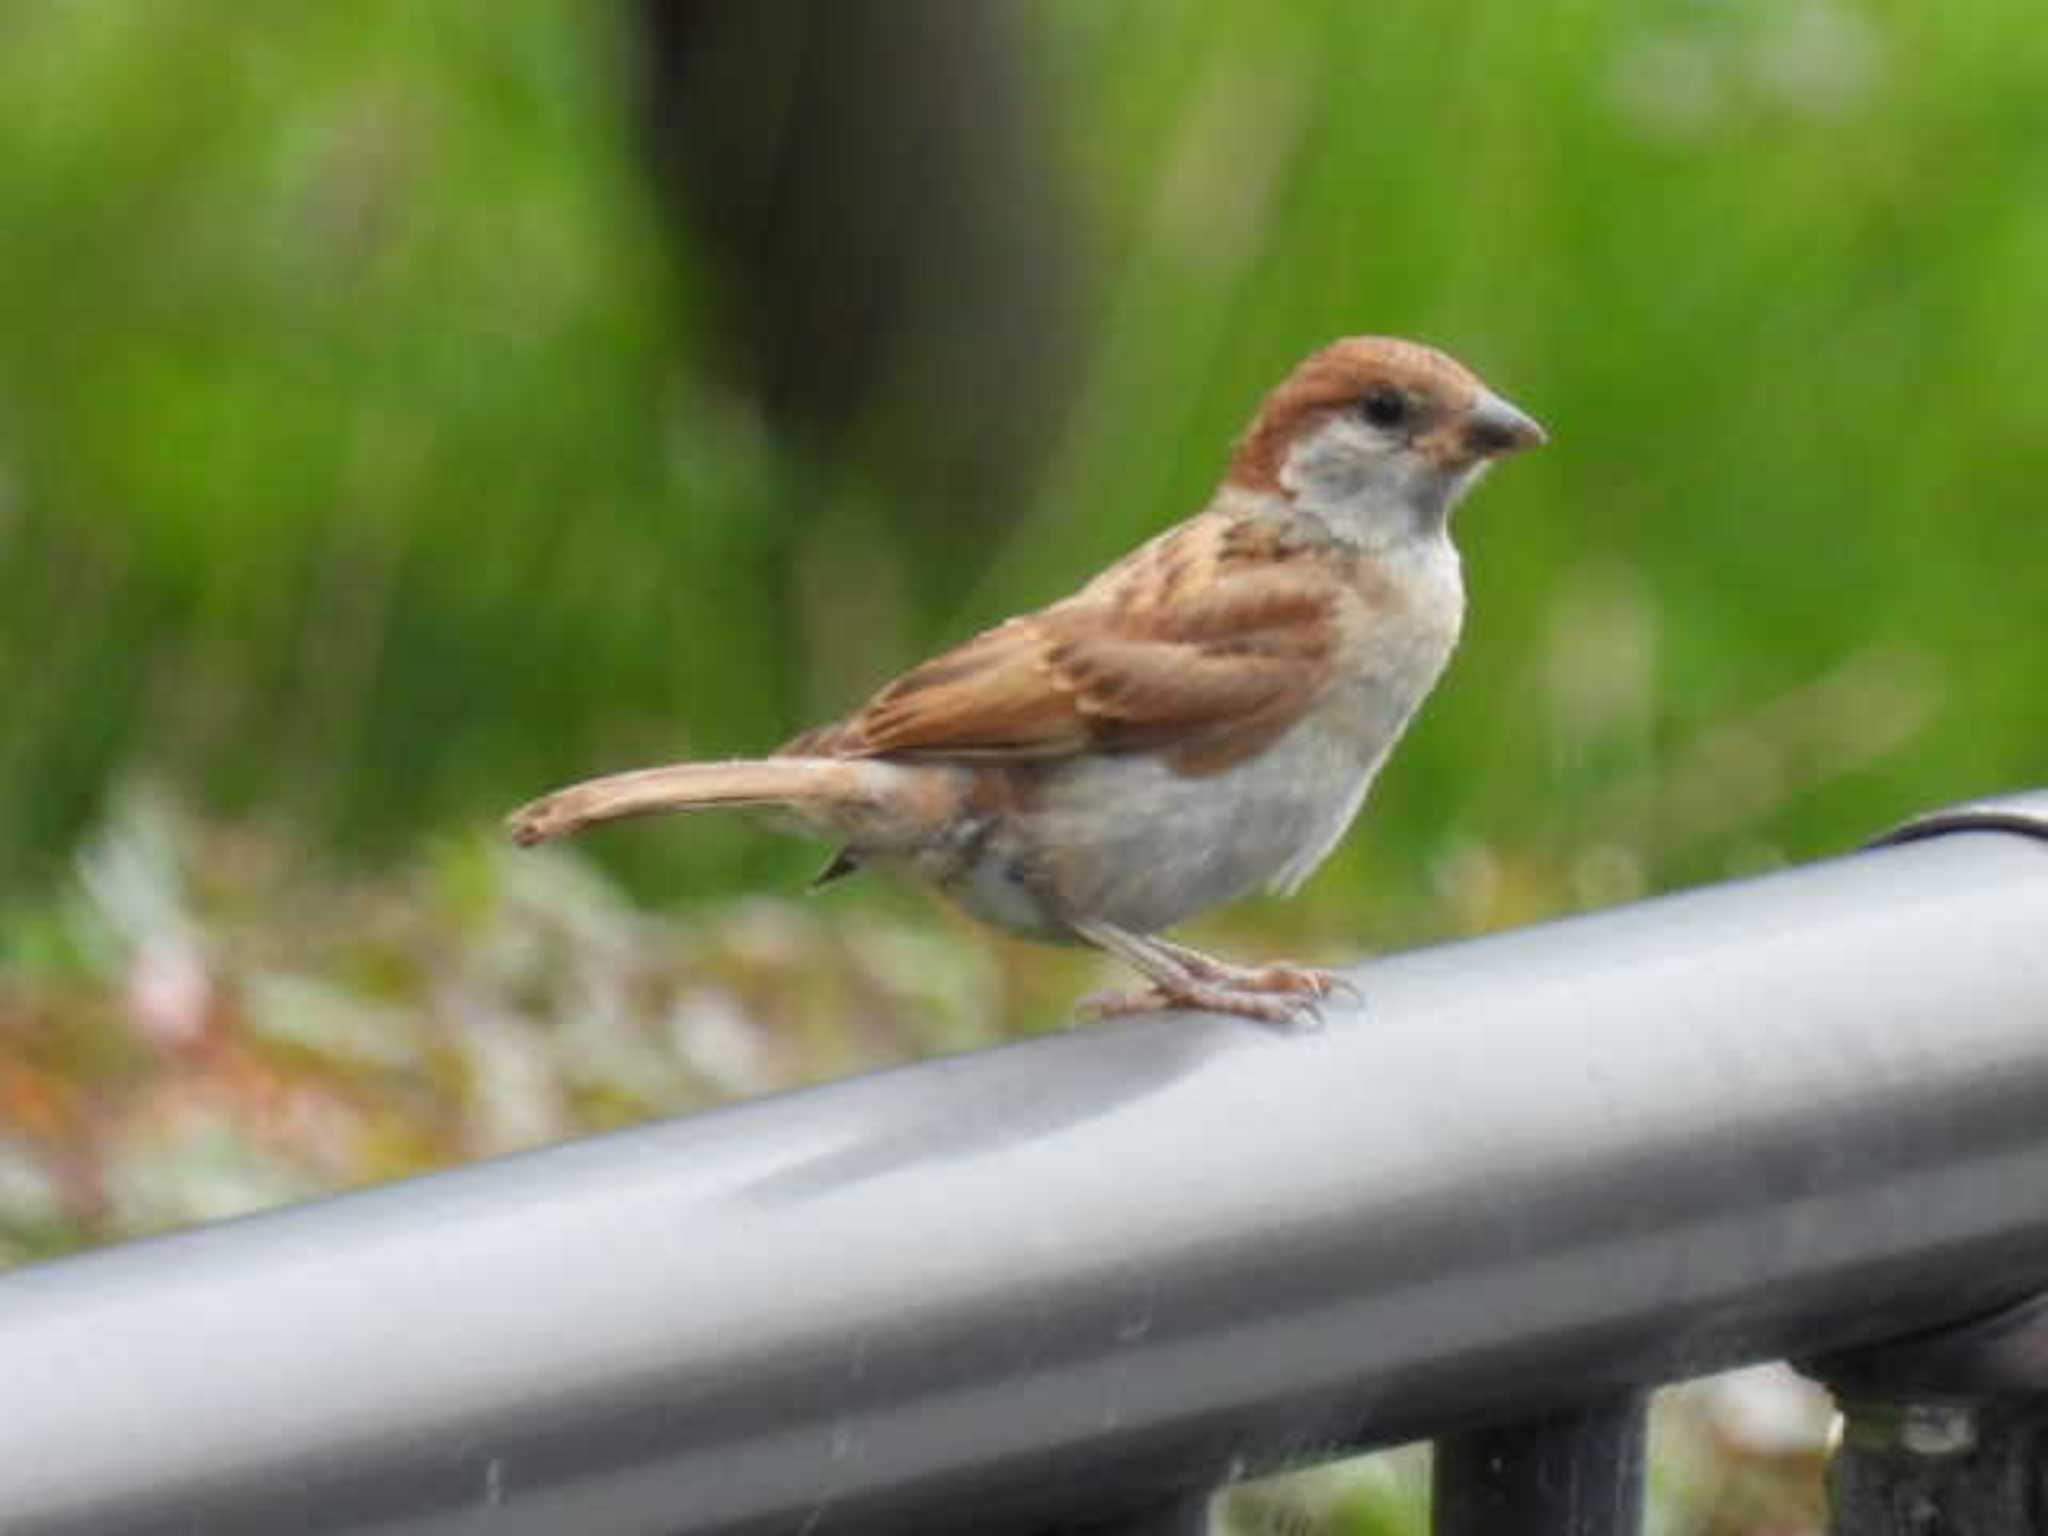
1493,427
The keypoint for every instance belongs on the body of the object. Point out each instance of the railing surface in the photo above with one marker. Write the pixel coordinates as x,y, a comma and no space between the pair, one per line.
1084,1279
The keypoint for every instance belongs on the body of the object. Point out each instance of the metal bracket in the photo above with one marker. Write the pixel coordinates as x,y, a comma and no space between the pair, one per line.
2004,1353
1946,1429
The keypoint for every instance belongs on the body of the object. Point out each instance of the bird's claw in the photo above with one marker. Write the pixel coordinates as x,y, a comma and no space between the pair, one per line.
1285,976
1295,1008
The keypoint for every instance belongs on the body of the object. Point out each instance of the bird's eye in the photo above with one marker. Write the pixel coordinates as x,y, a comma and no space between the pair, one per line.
1385,407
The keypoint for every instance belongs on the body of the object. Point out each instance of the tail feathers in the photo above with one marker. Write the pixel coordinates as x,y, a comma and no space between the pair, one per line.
792,781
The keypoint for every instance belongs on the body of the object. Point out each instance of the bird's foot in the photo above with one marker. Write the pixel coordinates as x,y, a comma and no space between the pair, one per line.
1291,1005
1282,976
1278,993
1277,976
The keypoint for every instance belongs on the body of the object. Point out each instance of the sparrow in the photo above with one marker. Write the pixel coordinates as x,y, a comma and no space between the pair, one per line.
1202,719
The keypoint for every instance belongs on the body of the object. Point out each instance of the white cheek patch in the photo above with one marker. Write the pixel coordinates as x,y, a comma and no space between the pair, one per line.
1339,461
1370,488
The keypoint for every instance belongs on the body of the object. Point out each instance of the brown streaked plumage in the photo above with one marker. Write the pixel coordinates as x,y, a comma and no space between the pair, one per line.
1203,645
1203,717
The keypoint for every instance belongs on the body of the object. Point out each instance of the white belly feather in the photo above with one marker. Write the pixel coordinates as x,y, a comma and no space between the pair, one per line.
1143,846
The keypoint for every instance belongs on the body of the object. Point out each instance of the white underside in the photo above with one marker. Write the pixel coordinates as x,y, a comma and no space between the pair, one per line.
1142,846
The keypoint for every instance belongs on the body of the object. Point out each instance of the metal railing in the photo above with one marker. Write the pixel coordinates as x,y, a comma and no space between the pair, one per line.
1079,1282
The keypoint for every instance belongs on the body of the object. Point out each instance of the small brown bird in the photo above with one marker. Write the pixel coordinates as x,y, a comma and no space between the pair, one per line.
1201,719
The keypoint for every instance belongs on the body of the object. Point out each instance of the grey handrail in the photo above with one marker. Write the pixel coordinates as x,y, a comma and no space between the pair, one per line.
1103,1270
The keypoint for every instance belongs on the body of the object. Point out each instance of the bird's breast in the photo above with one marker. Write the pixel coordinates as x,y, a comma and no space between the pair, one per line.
1131,840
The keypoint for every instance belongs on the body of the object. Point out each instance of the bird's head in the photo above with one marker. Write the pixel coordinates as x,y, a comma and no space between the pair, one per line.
1378,436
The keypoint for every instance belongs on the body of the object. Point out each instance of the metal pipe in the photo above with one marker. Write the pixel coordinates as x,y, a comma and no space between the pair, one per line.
1111,1268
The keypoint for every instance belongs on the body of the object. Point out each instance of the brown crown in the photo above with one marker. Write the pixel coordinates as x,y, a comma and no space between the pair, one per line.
1336,378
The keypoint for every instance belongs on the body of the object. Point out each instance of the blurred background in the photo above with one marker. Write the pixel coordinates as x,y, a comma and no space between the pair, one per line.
405,408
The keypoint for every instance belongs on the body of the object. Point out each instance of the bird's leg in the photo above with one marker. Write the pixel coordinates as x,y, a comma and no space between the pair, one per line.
1277,976
1176,982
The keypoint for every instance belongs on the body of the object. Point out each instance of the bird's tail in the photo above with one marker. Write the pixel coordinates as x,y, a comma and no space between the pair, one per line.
829,788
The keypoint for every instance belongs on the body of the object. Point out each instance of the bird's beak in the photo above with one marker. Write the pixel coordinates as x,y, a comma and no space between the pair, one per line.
1493,427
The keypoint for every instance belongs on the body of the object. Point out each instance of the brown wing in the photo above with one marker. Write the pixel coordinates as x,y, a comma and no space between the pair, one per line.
1206,644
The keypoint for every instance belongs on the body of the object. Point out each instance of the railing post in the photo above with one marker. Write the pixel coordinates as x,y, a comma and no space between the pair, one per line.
1575,1472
